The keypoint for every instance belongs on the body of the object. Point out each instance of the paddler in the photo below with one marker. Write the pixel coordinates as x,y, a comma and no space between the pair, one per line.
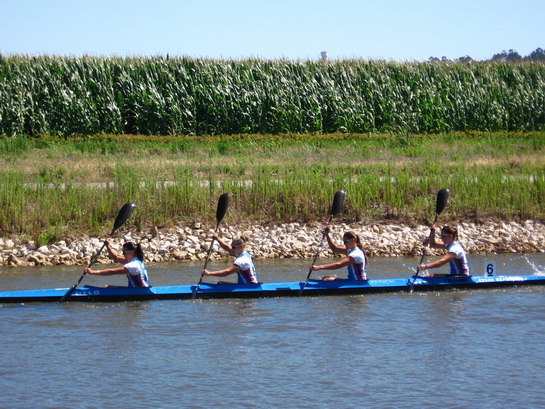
133,264
355,259
243,265
456,255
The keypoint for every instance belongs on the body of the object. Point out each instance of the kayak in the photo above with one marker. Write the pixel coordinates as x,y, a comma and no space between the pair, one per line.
270,290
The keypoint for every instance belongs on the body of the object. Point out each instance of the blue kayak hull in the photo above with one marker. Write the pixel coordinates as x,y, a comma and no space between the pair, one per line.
264,290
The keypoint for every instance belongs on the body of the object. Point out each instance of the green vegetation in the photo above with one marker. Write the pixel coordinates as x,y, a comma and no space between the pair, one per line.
51,187
282,136
183,96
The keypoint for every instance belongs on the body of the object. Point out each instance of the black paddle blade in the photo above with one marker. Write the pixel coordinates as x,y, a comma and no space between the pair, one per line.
123,215
338,201
223,203
442,200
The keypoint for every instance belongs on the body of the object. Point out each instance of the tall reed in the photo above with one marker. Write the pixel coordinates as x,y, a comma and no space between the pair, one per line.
50,188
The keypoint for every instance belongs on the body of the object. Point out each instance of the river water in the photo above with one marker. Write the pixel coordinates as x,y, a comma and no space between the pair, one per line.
464,349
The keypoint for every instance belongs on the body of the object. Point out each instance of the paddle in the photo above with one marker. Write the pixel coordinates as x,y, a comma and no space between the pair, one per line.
223,203
441,203
338,201
121,218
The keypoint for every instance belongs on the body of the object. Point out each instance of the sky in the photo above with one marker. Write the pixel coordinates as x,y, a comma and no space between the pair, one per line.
398,30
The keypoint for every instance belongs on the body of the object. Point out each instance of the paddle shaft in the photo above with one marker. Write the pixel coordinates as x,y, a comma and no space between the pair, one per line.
338,200
93,261
196,290
426,244
122,216
223,204
319,249
315,258
440,204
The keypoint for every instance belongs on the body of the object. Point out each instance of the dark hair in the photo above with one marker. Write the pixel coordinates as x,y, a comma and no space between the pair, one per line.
241,241
137,248
352,235
450,230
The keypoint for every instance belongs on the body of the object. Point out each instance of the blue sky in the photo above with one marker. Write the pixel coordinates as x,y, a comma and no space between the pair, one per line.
401,30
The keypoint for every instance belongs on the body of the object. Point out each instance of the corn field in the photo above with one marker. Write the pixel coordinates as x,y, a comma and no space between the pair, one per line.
184,96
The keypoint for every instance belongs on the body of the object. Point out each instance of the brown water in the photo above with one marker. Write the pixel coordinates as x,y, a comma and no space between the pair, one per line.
474,349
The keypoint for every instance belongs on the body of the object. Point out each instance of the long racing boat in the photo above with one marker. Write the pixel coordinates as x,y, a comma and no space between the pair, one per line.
312,288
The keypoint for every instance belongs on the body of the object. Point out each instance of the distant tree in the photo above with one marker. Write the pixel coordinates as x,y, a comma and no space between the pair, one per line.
537,55
466,59
513,56
504,56
500,56
437,60
509,56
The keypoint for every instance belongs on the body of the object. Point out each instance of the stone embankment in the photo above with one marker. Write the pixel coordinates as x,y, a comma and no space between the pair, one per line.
291,240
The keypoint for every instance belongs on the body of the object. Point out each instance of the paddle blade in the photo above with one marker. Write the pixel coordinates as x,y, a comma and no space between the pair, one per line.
338,201
442,200
123,215
223,203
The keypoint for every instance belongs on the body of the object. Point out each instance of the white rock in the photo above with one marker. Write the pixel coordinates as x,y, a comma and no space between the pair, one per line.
44,250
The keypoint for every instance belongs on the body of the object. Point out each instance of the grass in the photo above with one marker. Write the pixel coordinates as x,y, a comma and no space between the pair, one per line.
52,188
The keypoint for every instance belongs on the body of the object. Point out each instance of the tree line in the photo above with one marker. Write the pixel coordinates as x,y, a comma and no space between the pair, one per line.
505,56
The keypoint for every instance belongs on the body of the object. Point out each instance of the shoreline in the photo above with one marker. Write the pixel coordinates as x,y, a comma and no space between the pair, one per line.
287,240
